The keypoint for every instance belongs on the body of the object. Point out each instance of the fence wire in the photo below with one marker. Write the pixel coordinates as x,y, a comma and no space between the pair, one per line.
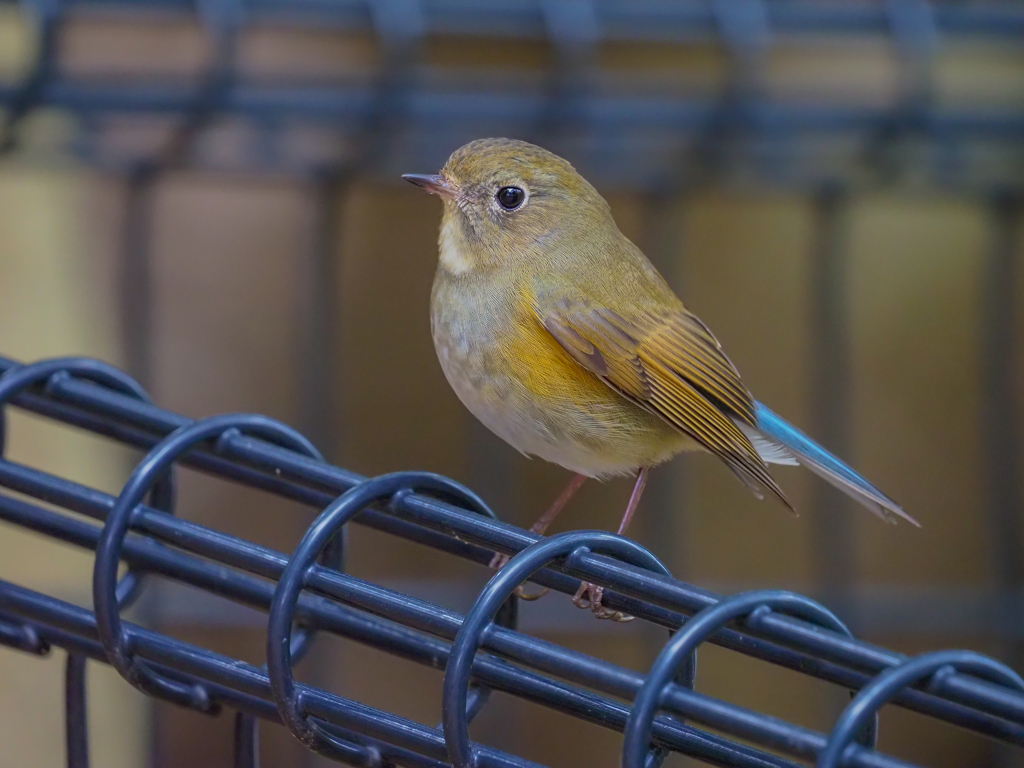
308,592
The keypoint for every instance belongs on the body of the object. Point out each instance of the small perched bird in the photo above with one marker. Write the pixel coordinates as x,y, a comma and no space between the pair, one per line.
563,339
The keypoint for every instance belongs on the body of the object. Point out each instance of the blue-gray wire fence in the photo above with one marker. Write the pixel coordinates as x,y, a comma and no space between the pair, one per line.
308,592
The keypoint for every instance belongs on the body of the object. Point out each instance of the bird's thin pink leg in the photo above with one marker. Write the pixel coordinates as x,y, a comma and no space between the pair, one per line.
541,526
559,504
594,592
634,498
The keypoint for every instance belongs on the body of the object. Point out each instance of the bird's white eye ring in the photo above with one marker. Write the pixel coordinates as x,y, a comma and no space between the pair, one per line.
510,198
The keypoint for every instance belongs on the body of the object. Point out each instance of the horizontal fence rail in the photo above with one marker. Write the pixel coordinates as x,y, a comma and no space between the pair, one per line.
308,592
639,20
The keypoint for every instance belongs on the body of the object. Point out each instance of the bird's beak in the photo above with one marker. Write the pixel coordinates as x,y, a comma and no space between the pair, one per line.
433,183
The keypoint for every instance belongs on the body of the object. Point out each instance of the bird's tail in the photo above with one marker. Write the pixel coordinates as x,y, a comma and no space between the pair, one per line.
779,442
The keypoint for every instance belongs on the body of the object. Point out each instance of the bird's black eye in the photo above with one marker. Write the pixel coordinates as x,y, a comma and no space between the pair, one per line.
510,198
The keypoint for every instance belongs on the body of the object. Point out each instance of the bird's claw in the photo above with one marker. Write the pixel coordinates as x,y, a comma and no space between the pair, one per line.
589,596
498,562
521,594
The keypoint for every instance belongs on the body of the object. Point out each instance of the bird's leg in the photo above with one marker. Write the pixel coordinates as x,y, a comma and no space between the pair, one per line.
634,498
541,526
594,592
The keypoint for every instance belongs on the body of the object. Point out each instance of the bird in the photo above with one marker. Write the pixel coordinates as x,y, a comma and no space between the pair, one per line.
559,334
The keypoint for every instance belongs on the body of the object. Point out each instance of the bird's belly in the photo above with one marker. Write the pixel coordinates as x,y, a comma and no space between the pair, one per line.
529,392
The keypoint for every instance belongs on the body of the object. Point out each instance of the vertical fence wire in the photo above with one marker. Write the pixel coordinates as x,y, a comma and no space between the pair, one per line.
831,373
999,357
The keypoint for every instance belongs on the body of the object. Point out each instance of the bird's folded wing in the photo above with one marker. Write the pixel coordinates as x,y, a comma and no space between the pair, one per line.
669,363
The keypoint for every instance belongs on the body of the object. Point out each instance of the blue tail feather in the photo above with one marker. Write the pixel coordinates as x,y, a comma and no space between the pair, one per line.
831,468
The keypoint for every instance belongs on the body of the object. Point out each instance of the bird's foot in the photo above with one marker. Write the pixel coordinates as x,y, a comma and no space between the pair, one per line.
589,596
497,562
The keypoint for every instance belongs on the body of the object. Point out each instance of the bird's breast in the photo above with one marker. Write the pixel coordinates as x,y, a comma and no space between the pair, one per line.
513,376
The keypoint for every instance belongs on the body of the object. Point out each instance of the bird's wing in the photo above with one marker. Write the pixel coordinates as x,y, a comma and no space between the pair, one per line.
669,363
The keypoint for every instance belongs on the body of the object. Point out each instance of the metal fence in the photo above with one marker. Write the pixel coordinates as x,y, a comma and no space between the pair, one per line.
409,114
308,592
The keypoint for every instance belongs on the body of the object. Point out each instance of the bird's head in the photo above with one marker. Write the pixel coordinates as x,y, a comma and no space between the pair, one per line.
507,200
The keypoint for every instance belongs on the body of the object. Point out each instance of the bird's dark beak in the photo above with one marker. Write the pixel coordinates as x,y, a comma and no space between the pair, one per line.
433,183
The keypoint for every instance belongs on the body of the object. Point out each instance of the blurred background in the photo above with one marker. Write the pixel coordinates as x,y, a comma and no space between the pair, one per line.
207,195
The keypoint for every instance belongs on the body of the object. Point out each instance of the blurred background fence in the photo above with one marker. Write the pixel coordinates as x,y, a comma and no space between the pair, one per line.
207,195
